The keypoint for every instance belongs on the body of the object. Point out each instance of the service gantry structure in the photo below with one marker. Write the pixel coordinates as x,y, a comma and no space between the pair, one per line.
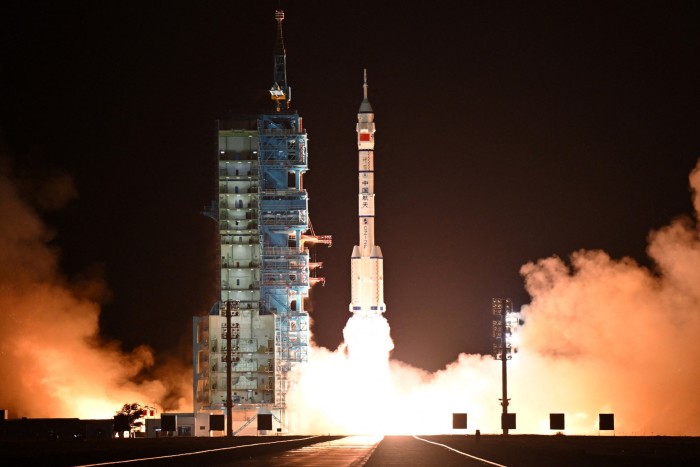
265,265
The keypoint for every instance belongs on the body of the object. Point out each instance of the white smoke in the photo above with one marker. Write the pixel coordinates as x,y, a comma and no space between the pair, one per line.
53,361
601,335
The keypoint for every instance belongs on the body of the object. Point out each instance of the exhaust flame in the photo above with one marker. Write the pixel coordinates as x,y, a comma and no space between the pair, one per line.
51,357
600,336
369,342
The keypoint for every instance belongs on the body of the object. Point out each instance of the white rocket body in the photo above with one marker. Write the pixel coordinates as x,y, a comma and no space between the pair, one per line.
367,262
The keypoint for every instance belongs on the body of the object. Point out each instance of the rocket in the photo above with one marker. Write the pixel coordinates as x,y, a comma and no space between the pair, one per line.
367,262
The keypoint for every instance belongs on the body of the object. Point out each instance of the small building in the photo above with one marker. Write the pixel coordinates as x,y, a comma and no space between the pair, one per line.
182,424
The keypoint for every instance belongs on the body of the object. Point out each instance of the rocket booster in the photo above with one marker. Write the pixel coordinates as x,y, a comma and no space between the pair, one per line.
367,262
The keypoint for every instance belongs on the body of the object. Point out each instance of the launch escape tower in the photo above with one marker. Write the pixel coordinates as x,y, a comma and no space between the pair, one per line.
265,270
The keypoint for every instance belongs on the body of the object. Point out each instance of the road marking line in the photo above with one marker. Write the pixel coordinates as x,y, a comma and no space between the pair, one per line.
193,452
460,452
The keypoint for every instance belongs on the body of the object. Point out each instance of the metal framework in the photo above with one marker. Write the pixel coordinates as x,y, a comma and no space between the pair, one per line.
503,327
258,330
283,219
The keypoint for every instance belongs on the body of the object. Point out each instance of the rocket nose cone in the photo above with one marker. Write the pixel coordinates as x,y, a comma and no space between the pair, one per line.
366,107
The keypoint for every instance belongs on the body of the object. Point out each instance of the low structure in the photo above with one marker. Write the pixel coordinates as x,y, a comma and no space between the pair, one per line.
57,428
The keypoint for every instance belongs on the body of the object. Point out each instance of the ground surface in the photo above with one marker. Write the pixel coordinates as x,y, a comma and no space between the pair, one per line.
513,451
541,451
60,453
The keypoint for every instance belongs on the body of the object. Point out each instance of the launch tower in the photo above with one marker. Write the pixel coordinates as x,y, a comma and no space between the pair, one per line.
265,267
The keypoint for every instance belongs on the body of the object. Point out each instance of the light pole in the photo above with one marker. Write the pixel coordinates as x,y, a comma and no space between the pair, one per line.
504,322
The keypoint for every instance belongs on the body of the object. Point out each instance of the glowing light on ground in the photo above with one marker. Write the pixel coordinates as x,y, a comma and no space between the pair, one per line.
51,357
600,336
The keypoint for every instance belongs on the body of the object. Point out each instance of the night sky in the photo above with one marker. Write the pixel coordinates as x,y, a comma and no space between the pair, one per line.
506,132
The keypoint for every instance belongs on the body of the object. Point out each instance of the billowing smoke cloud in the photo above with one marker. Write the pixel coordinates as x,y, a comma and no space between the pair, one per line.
616,337
52,359
600,336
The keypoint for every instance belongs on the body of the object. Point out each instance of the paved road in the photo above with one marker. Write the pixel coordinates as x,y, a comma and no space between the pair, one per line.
368,451
357,451
490,451
538,451
351,451
421,451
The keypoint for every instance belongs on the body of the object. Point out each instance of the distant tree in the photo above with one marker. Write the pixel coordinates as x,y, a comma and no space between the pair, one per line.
131,415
